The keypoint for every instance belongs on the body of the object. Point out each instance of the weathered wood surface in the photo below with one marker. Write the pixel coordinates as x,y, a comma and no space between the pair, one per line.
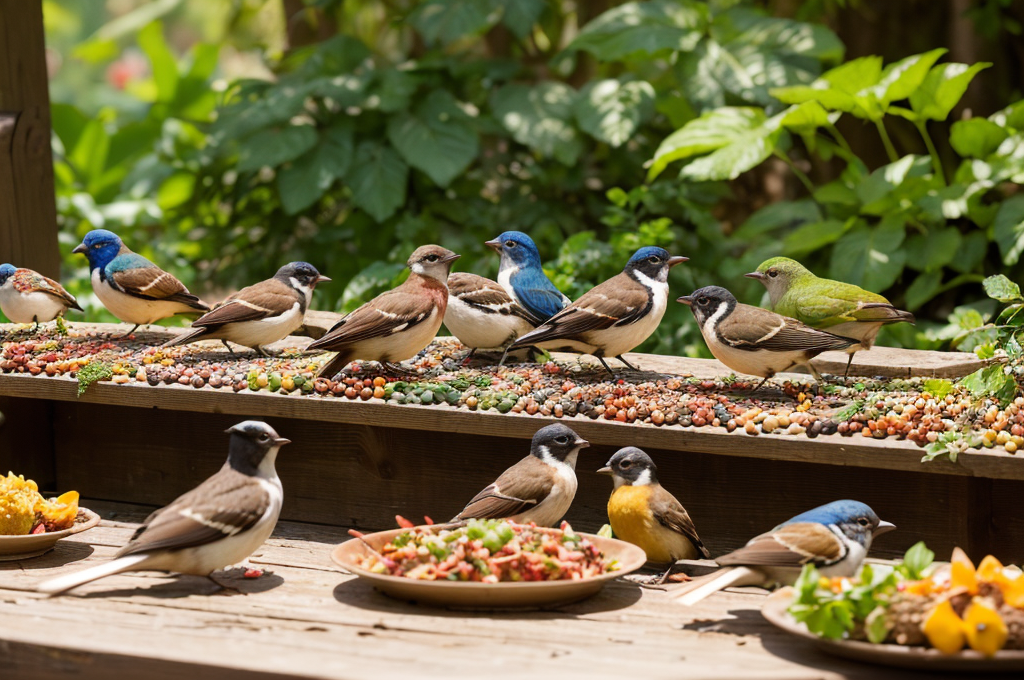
310,619
28,213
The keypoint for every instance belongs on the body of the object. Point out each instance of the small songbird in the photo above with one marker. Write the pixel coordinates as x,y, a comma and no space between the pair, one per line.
395,325
260,314
482,315
613,317
840,308
27,296
756,341
131,287
522,276
217,524
539,488
643,513
835,538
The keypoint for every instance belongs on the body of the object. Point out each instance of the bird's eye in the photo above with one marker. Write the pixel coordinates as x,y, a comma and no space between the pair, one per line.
510,244
654,259
625,465
562,440
264,437
702,300
97,246
773,273
863,521
431,258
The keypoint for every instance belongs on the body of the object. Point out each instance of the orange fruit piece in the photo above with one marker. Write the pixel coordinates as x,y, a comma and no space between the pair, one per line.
944,629
963,574
985,630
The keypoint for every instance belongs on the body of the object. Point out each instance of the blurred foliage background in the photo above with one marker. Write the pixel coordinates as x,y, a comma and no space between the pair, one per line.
878,142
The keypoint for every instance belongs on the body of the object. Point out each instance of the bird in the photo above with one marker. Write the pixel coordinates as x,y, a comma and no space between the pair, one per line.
840,308
131,287
834,537
643,513
522,276
260,314
537,489
219,523
756,341
482,315
26,296
613,317
395,325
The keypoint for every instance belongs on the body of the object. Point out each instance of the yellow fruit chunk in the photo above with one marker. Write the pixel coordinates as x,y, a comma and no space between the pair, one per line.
985,630
990,569
924,587
944,629
1013,591
963,574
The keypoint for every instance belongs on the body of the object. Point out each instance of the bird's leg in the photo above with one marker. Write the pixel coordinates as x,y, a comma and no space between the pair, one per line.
760,384
628,365
504,355
259,351
398,369
230,351
846,374
466,359
122,337
609,368
223,586
664,576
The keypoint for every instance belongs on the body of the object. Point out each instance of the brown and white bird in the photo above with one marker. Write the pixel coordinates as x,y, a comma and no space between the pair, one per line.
642,512
613,317
482,315
26,296
219,523
756,341
260,314
539,488
395,325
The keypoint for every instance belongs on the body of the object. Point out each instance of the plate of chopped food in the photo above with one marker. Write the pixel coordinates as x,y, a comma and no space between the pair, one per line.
488,564
913,614
31,524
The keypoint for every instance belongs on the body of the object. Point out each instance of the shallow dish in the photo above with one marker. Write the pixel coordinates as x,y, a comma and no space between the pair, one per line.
475,595
900,656
34,545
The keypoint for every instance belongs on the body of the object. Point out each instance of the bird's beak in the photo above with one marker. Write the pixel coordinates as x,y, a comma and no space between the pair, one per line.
80,248
450,258
883,528
676,259
582,443
281,441
606,470
494,244
755,275
686,300
322,278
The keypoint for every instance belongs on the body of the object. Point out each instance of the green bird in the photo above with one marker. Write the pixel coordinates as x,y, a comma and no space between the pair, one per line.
842,308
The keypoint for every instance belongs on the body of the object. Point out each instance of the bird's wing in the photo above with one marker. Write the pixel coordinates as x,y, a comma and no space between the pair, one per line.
225,504
391,312
134,275
27,281
670,513
791,545
538,295
486,295
843,303
519,488
259,301
619,301
758,328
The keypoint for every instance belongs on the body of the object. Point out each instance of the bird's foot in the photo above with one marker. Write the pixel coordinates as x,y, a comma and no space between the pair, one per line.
391,368
225,588
122,337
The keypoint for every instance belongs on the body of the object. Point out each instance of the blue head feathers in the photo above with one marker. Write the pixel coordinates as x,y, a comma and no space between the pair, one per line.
516,248
523,277
6,272
100,246
648,252
836,512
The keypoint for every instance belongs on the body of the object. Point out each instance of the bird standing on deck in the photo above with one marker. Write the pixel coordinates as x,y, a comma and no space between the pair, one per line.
539,488
522,276
613,317
643,513
131,287
840,308
756,341
482,315
27,296
395,325
835,538
219,523
260,314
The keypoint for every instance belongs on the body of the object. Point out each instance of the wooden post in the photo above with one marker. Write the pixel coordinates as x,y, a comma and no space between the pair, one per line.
28,214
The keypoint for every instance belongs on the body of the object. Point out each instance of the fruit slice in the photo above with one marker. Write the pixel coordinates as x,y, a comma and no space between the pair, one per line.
963,573
944,629
985,630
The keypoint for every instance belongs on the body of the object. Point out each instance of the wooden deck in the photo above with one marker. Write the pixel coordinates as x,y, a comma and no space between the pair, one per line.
310,619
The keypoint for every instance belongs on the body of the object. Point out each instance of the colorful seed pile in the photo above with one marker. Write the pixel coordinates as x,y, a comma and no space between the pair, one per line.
942,416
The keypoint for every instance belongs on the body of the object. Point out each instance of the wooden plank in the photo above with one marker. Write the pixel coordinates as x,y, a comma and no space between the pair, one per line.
28,213
26,439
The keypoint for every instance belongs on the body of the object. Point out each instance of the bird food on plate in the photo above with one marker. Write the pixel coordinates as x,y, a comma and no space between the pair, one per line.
949,607
23,510
490,551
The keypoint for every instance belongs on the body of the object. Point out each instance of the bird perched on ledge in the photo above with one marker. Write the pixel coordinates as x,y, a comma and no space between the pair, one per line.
219,523
522,276
260,314
756,341
840,308
131,287
643,513
27,296
482,315
613,317
539,488
835,538
395,325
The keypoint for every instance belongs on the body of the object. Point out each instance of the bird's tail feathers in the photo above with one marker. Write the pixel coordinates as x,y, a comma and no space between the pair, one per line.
191,335
705,586
62,584
334,366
